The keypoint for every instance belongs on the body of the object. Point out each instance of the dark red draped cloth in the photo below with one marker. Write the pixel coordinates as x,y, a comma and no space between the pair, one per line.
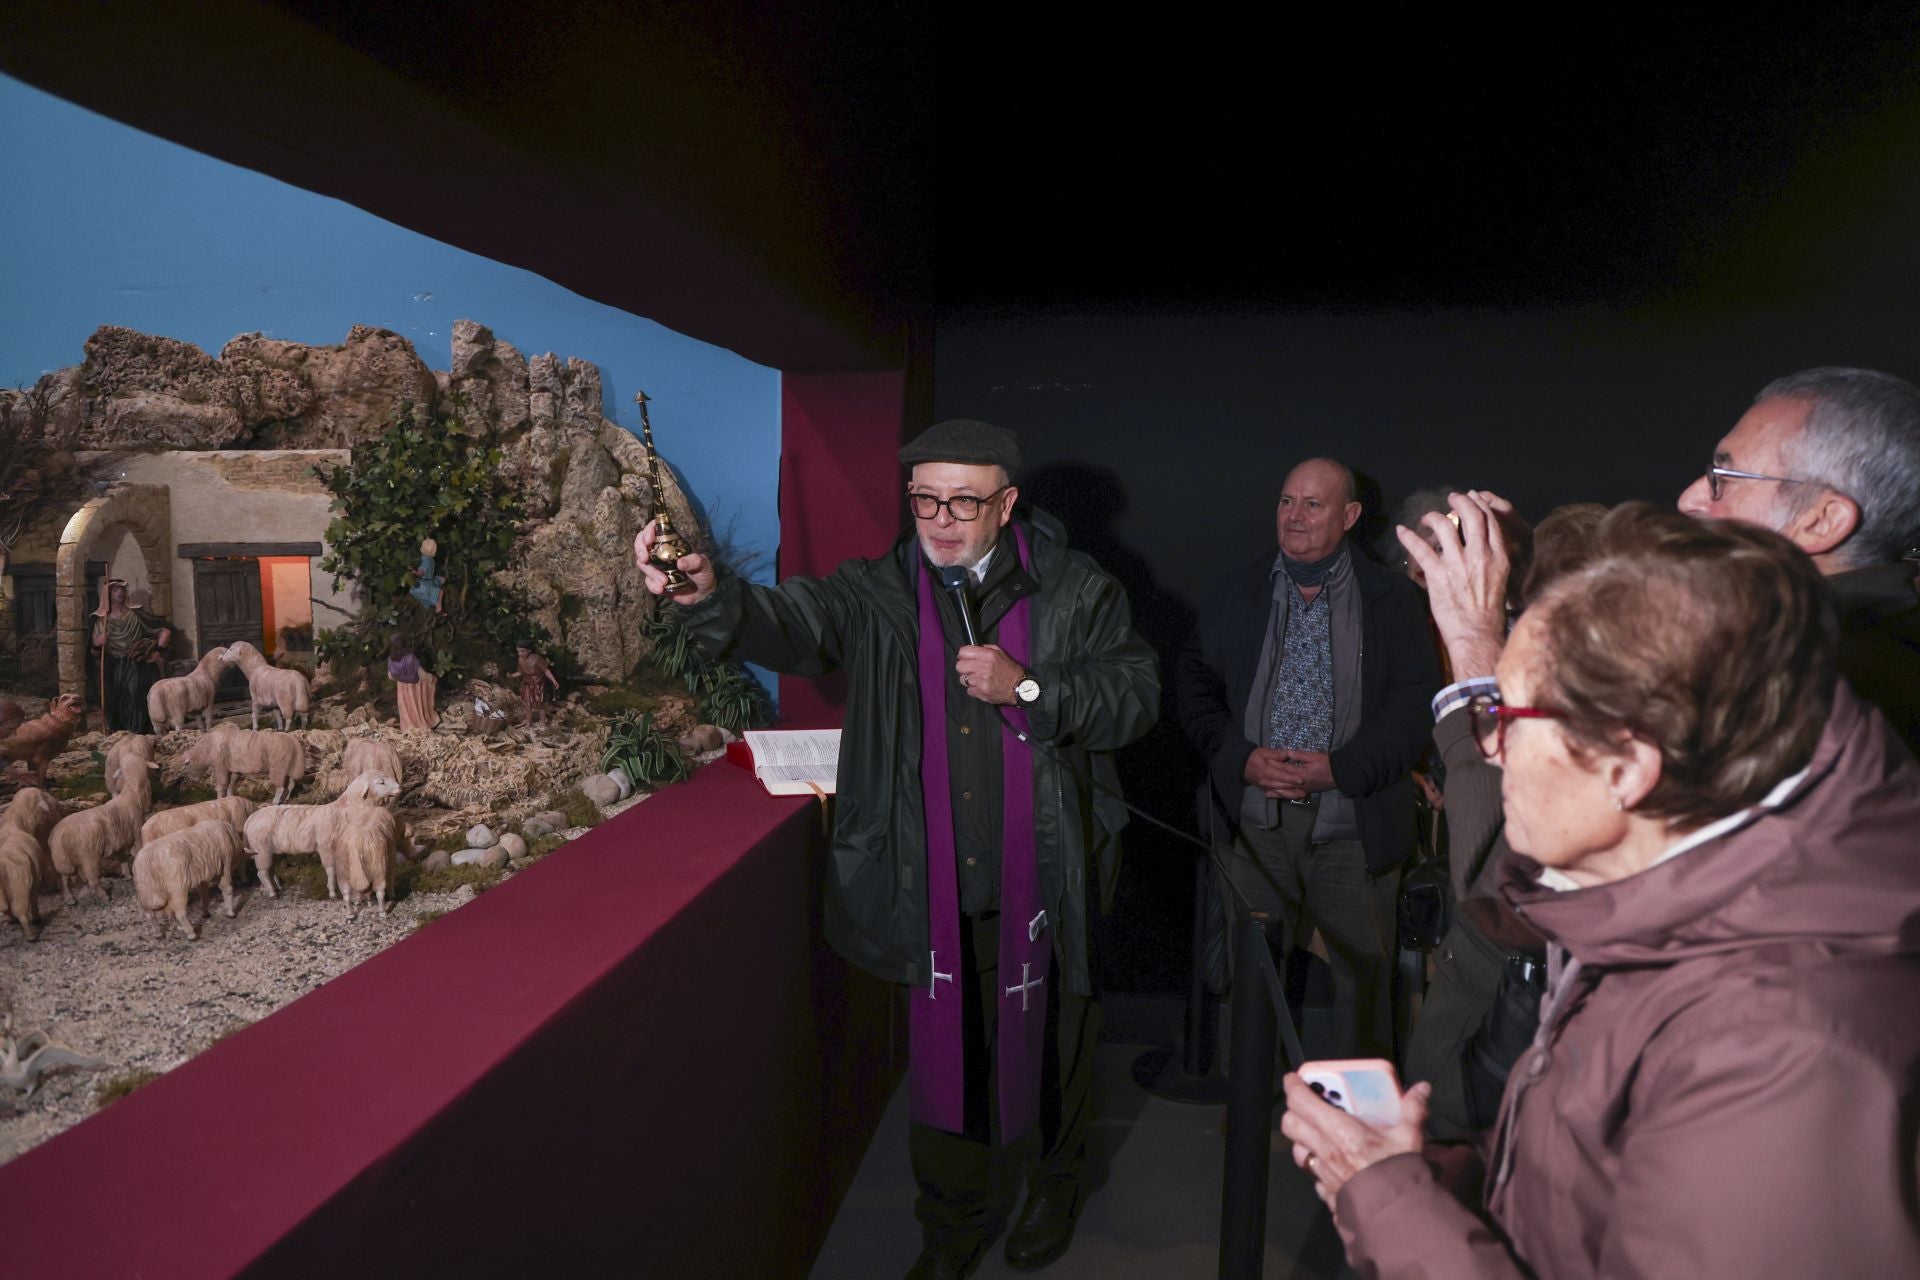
635,1058
842,495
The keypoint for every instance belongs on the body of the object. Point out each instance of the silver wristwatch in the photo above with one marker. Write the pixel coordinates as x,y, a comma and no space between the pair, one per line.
1027,691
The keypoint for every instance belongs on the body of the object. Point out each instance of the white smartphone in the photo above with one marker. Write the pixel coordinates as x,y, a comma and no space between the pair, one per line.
1365,1088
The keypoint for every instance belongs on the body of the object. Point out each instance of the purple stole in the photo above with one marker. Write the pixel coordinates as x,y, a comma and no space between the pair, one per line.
936,1068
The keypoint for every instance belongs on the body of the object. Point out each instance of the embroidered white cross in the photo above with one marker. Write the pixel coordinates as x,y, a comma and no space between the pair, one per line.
1025,984
933,984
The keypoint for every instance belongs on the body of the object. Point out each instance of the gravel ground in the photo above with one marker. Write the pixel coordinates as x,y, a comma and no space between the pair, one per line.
100,982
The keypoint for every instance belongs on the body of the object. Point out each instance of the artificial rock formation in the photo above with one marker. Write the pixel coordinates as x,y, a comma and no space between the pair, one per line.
583,478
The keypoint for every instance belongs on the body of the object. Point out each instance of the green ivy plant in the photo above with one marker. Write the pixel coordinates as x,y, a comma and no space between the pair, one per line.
427,476
726,692
642,750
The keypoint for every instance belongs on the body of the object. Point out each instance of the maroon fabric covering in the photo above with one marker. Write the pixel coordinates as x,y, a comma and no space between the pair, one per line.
637,1057
841,494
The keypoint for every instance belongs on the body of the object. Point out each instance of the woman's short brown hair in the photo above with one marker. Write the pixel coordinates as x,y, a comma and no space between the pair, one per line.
1711,640
1562,542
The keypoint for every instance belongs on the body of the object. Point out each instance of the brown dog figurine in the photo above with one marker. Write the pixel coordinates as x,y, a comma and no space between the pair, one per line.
39,740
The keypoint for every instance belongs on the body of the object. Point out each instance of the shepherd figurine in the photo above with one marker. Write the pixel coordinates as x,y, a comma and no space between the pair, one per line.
536,673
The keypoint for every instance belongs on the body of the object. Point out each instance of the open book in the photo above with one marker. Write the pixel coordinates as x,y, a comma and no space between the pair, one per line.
791,762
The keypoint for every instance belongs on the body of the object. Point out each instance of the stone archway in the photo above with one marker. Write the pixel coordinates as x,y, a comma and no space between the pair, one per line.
146,511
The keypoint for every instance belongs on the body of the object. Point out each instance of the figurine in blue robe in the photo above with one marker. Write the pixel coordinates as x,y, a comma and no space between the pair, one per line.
427,590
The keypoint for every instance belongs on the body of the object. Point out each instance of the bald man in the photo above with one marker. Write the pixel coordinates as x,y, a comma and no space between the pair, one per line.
1306,687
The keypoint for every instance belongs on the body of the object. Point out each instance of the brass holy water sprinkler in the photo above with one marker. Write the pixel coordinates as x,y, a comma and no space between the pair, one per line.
668,546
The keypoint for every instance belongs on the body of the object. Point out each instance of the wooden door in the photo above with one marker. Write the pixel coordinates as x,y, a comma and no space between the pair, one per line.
227,607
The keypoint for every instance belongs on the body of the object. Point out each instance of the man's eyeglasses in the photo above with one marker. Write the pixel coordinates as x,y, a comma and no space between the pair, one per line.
1488,719
961,506
1717,473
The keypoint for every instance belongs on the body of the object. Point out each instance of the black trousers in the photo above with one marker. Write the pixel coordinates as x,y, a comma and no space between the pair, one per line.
968,1181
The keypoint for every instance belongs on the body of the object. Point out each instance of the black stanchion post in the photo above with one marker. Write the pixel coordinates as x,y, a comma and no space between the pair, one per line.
1243,1207
1197,1059
1184,1072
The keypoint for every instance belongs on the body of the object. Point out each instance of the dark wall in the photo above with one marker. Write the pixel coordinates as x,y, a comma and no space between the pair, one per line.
1163,439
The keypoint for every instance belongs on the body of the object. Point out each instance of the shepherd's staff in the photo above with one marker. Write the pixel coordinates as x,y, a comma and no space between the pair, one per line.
104,726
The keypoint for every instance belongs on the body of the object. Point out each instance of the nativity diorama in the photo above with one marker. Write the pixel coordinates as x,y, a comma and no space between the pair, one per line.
345,638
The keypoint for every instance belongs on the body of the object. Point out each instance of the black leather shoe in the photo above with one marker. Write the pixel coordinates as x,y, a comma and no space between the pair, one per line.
949,1263
1045,1228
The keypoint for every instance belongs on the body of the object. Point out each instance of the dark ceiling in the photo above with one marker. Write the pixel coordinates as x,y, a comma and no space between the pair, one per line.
806,182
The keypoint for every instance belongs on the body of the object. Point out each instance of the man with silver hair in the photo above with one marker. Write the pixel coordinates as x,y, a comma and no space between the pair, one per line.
1831,459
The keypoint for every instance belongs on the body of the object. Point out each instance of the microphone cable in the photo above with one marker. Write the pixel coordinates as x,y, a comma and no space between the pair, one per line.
955,579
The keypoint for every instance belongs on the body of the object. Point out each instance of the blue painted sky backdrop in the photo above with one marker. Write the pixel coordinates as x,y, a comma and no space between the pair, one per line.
103,224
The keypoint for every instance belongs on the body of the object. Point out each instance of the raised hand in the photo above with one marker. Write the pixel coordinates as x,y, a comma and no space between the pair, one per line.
1466,579
696,567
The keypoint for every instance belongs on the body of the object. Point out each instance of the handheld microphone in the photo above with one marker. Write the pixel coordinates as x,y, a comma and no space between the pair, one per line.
956,579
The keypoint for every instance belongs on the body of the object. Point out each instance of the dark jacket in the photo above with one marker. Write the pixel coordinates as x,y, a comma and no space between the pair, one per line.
1468,966
1399,674
1880,642
1729,1085
1100,689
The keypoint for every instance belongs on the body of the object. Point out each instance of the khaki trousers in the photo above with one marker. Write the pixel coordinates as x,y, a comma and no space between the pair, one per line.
1306,885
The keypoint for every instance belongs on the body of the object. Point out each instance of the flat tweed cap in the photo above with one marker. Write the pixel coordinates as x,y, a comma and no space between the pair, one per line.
966,440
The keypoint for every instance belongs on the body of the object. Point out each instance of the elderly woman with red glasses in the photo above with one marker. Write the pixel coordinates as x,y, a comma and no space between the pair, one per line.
1722,846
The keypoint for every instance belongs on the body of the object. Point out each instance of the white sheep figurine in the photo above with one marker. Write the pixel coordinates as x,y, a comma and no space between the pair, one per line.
232,810
32,811
370,755
285,829
21,863
165,871
280,757
172,701
24,862
360,850
280,688
126,750
81,842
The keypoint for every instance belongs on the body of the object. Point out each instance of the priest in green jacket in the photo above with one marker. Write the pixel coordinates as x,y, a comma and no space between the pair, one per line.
991,673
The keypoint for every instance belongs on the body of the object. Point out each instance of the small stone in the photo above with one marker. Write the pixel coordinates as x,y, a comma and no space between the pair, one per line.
480,836
471,857
516,846
703,738
554,819
620,780
533,829
464,894
600,789
438,860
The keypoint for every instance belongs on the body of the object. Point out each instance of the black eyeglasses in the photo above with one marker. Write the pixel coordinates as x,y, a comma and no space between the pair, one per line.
961,506
1488,719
